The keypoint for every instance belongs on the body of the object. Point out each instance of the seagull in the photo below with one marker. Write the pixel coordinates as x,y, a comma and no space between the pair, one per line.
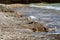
33,18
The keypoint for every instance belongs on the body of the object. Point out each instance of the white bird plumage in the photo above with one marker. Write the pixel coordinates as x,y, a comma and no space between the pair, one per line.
33,18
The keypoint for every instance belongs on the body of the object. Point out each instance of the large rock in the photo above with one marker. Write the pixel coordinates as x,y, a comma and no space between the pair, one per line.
12,21
9,20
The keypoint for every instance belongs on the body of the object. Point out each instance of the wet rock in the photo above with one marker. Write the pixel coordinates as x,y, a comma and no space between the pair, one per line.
38,27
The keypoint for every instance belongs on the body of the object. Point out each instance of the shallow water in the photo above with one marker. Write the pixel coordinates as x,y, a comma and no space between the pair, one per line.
49,15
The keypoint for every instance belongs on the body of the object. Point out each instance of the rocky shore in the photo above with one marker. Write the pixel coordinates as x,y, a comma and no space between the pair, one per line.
16,26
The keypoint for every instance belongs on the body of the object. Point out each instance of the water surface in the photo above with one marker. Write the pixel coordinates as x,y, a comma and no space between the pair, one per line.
49,15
